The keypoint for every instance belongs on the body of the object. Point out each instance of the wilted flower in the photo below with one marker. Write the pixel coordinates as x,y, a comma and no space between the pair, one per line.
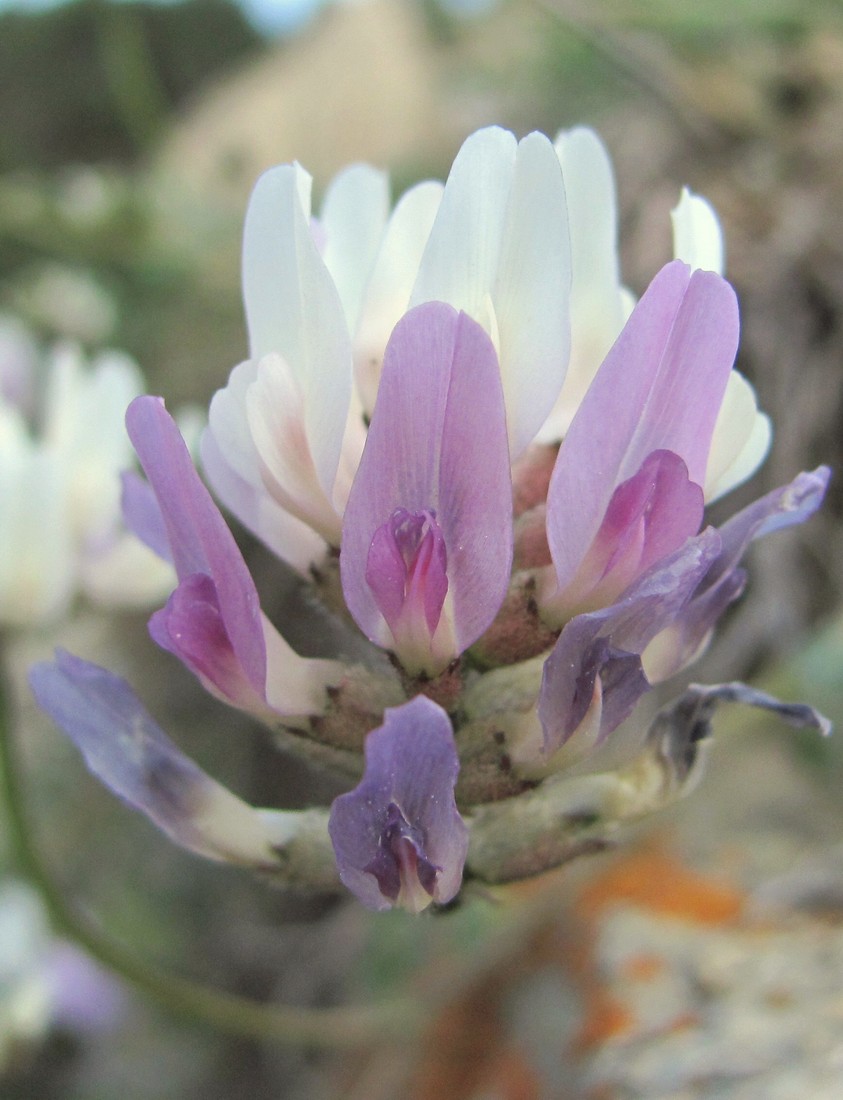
62,448
526,548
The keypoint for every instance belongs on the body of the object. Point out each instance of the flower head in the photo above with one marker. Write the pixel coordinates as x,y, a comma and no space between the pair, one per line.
524,553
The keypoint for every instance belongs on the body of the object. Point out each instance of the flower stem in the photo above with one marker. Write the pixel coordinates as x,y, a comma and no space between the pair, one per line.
316,1027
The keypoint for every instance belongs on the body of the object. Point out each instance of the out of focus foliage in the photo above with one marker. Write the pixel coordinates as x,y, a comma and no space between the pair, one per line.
95,81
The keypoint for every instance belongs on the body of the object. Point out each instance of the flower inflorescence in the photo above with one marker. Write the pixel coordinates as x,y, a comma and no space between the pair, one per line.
459,427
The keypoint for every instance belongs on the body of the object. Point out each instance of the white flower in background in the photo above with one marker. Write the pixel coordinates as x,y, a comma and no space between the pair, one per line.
63,446
71,302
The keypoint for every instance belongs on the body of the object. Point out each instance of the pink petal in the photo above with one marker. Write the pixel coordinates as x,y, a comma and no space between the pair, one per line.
660,388
437,444
199,539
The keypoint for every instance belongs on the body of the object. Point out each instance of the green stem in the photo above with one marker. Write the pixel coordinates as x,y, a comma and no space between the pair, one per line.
317,1027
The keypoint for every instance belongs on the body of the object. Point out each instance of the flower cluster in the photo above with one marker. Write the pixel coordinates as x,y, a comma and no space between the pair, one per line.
463,432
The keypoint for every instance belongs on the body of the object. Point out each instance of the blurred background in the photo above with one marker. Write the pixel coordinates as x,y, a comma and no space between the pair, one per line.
700,959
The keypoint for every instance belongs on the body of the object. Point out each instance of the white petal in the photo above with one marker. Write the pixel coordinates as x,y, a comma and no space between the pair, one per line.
462,254
278,196
352,449
391,283
740,442
628,303
276,413
76,392
76,398
247,485
229,425
697,236
593,216
353,217
192,420
296,684
14,432
598,305
293,541
229,829
37,552
293,310
126,574
531,291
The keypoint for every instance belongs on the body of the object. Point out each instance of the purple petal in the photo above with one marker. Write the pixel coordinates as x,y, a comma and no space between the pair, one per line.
398,836
724,581
660,388
198,537
655,511
684,724
649,516
407,572
798,715
674,606
606,645
783,507
124,748
619,678
190,626
142,514
436,446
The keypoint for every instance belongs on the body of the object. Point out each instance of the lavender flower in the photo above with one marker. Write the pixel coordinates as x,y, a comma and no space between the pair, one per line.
427,546
620,500
212,621
528,551
399,840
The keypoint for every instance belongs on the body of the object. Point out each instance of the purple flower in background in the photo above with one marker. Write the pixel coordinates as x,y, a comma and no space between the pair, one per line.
398,836
47,982
523,551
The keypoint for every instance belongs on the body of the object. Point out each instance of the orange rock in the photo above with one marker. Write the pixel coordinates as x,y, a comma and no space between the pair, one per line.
656,880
